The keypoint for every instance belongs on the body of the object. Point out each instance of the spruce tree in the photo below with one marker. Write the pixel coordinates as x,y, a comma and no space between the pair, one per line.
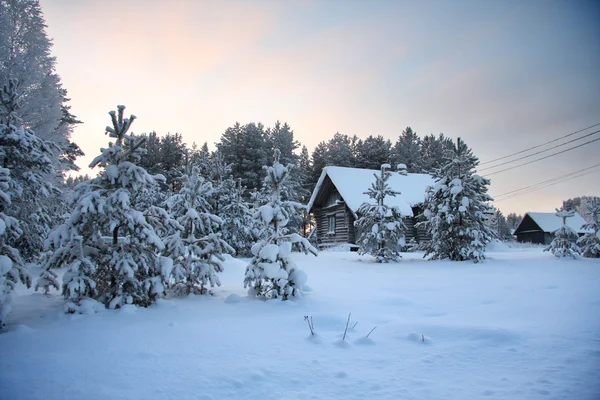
589,243
109,247
456,209
282,137
272,273
373,152
29,159
303,172
340,151
12,268
498,225
196,246
564,242
28,66
244,147
513,220
407,151
380,226
319,160
238,221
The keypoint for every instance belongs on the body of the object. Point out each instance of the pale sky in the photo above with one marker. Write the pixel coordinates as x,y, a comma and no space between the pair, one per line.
503,75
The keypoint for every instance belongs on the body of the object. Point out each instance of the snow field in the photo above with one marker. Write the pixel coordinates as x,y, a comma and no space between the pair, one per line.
521,325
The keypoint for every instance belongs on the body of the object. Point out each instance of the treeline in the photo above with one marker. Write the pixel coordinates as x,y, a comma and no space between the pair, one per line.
244,149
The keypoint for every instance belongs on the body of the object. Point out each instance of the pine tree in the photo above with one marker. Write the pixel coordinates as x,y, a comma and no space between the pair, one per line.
303,172
238,221
340,151
564,242
172,156
513,220
29,68
282,137
319,158
304,169
589,243
196,247
244,147
456,209
219,173
407,151
151,159
12,268
27,61
373,152
29,160
272,273
109,247
231,146
381,227
498,225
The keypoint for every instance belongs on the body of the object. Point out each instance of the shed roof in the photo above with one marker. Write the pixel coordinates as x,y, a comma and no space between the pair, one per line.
351,183
549,222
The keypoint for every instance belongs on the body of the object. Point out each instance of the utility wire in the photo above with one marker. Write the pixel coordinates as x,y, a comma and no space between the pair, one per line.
547,181
543,158
539,145
541,151
541,187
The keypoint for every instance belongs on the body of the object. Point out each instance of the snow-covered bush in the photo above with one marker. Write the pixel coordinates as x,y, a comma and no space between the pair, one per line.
272,273
195,247
589,243
456,209
109,247
564,243
380,226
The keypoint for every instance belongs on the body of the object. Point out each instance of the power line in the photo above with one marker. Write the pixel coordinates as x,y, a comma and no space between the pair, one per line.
547,181
543,158
541,151
539,145
542,187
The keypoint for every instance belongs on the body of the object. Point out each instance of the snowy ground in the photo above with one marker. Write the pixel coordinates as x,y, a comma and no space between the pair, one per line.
522,325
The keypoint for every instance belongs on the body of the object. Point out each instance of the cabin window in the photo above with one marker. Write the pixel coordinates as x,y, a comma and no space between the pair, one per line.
331,224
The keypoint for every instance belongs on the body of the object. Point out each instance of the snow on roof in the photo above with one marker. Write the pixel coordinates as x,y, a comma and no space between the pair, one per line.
549,222
351,183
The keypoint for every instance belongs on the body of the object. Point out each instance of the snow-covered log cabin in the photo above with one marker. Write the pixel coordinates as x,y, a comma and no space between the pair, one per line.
537,227
340,191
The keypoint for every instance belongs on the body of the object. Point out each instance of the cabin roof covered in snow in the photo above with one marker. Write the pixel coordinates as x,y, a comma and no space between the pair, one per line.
549,222
351,183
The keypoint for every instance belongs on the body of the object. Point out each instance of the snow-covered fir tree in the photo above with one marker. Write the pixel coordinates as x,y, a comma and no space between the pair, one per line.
238,221
564,243
291,192
25,162
29,160
272,273
380,226
196,246
456,209
28,65
109,247
589,243
12,269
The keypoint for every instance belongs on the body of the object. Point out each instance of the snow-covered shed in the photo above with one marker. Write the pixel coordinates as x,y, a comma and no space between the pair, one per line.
537,227
340,191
